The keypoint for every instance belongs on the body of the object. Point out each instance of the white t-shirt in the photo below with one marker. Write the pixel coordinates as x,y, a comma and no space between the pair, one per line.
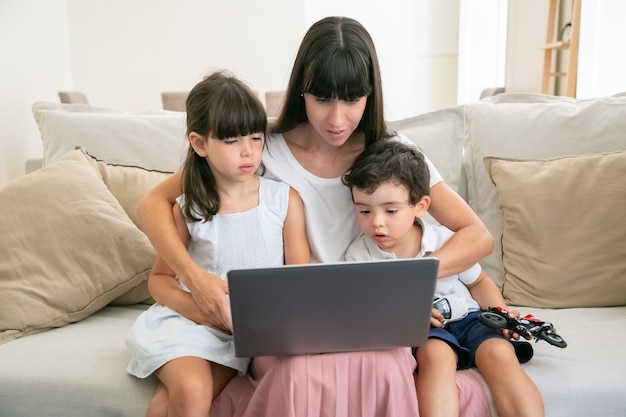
331,223
433,238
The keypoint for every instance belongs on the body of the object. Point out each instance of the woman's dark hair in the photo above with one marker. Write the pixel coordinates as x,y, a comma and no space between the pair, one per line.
390,160
220,107
336,59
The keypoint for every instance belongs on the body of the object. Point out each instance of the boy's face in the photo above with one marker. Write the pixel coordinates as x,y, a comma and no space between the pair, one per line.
386,216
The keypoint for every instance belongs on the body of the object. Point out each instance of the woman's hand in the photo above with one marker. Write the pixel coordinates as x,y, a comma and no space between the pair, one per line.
210,295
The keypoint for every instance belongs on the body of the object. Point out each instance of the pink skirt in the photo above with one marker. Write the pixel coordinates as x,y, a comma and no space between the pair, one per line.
367,384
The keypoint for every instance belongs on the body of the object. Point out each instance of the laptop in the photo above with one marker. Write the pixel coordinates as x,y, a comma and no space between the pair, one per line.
332,307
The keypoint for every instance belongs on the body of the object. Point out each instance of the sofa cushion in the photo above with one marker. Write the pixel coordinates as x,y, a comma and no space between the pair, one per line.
439,134
67,248
154,140
564,235
532,126
127,183
78,370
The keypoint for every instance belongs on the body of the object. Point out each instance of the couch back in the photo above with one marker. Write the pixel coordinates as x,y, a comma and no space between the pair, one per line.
530,163
457,139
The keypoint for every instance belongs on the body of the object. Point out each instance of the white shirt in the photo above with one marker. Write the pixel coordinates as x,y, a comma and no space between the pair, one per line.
331,222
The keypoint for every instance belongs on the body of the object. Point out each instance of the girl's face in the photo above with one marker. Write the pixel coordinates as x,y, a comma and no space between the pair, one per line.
333,119
386,216
234,159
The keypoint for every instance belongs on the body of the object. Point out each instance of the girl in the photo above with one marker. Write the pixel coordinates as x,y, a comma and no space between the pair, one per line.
333,110
228,217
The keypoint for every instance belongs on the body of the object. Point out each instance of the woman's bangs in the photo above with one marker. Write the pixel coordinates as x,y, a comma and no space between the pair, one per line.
340,75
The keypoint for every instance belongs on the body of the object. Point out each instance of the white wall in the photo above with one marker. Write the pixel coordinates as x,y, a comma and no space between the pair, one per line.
601,60
169,45
482,47
35,55
123,53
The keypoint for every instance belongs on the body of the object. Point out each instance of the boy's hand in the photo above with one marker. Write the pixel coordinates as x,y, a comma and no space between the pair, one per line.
509,333
436,318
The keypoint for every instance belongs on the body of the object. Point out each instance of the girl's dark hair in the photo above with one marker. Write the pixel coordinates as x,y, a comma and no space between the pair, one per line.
336,59
390,160
220,107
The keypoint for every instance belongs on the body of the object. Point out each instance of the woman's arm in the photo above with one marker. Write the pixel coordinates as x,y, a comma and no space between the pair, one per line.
157,221
471,241
294,232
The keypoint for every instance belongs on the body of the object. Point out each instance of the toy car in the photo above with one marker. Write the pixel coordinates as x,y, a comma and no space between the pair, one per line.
529,326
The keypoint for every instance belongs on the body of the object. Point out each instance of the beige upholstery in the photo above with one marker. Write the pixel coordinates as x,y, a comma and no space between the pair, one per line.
73,97
174,100
273,102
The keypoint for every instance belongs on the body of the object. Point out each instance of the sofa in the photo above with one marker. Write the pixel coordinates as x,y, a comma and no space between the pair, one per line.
546,174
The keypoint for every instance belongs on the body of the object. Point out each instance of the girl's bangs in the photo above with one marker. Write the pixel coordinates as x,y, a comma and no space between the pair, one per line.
340,74
237,116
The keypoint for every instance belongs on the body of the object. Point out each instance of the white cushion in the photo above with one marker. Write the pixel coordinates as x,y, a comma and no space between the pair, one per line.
439,135
154,140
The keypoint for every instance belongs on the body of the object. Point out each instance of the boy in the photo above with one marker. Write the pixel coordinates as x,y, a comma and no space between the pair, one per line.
389,185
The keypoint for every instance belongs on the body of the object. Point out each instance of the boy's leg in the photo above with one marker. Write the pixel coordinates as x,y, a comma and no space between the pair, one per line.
514,393
158,404
435,379
191,384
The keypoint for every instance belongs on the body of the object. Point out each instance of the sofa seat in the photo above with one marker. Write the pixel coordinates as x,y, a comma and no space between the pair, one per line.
592,366
89,357
74,371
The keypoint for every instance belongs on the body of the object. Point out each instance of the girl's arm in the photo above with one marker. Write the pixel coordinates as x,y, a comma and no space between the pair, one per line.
157,221
294,232
471,241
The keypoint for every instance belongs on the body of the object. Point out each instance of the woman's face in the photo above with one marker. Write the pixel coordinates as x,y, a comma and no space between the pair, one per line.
333,119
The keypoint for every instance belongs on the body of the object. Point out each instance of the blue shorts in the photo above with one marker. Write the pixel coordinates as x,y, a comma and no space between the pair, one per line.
464,337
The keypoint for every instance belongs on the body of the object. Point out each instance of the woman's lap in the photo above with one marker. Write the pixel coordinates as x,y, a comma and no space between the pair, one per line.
374,384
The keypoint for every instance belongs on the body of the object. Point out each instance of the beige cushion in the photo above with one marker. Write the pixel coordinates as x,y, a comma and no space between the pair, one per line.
67,248
532,126
127,183
154,140
564,237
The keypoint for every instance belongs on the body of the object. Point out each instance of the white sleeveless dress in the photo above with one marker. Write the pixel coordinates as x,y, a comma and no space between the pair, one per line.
250,239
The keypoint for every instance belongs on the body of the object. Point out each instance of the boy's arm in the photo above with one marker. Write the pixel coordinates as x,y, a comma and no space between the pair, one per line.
295,244
486,292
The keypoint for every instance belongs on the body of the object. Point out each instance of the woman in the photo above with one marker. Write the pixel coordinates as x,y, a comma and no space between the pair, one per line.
333,109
